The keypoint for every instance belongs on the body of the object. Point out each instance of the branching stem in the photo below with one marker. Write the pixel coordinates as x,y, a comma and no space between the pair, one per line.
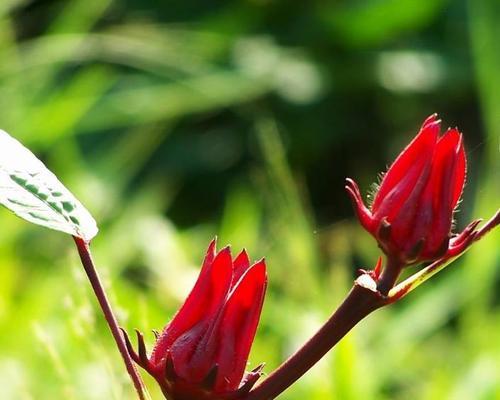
367,295
361,301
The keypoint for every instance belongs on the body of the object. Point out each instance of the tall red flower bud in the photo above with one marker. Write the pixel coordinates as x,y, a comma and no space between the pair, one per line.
412,212
202,353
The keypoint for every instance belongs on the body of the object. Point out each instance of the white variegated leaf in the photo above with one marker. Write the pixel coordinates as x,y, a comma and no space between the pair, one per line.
34,193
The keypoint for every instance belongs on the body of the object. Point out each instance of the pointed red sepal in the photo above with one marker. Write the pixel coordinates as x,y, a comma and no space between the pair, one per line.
131,351
239,325
241,265
460,242
250,380
203,352
203,303
143,356
438,201
363,213
374,274
169,372
414,156
412,212
460,171
429,120
139,357
210,379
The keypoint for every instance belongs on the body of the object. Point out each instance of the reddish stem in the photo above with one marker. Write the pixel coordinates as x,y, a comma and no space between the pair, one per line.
389,275
365,297
88,265
360,302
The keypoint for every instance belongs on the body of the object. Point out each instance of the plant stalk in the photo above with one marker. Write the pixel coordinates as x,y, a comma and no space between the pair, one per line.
366,296
89,266
389,275
361,301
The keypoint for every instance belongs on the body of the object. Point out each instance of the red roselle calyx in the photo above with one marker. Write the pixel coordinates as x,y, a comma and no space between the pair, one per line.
411,215
202,353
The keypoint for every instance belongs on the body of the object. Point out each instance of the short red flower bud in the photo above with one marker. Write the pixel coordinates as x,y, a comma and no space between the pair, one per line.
202,353
412,212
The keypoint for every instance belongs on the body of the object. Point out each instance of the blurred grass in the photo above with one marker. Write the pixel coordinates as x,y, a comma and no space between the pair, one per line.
241,120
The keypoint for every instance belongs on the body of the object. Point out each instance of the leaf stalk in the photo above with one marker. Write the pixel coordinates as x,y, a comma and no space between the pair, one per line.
95,281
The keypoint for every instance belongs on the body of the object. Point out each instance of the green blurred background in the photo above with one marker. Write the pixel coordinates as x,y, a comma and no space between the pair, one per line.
177,121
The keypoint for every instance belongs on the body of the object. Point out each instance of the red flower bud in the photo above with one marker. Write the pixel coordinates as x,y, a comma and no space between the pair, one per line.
412,212
202,353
